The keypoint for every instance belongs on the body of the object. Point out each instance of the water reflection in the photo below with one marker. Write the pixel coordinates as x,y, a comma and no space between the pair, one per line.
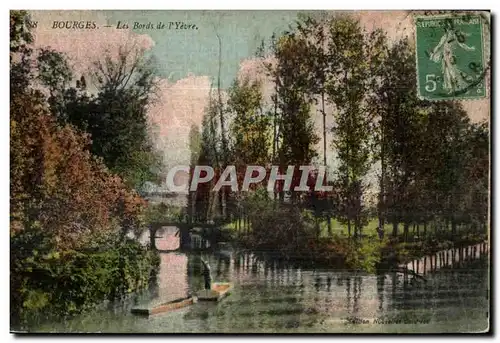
449,258
272,296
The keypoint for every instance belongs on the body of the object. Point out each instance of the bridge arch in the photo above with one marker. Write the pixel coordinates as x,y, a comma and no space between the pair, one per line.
184,232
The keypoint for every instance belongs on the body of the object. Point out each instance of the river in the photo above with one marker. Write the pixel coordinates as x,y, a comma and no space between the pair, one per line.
275,297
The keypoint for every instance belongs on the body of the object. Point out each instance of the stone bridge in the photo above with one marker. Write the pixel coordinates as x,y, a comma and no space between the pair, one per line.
184,232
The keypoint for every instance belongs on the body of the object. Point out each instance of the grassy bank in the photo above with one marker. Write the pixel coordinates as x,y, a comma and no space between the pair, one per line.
293,235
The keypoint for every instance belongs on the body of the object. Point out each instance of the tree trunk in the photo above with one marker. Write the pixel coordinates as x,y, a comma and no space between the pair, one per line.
238,224
329,221
275,125
381,199
223,204
324,126
406,228
395,229
453,227
282,197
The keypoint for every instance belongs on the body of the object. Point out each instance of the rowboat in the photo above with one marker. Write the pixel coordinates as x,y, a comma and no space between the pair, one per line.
219,291
169,306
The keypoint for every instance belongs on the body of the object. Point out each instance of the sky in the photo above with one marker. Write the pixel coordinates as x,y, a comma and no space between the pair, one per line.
187,59
180,52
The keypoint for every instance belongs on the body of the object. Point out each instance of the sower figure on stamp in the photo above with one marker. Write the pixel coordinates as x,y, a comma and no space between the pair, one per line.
206,275
453,77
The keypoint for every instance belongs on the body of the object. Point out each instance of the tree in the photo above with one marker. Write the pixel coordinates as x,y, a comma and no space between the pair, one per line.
58,186
205,200
475,184
399,118
424,149
296,128
314,32
21,64
195,147
116,117
446,152
250,126
353,54
55,74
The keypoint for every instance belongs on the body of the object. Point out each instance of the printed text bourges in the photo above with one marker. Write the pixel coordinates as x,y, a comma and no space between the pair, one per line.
92,25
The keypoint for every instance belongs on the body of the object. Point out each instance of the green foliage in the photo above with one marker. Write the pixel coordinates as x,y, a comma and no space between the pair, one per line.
433,160
113,114
58,185
296,134
283,230
51,283
353,54
53,70
195,144
365,254
399,131
157,213
258,201
424,149
250,127
20,34
69,213
21,50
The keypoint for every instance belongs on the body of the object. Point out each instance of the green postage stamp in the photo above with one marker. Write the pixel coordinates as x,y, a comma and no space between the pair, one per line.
450,57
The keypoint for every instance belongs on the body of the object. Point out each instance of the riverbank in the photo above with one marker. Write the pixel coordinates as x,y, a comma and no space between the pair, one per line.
51,285
369,253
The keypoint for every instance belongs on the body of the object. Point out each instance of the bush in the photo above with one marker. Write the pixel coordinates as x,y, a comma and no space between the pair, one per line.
284,230
278,229
365,254
289,232
157,213
48,283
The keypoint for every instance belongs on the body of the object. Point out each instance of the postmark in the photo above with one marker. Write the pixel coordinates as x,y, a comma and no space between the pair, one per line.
450,57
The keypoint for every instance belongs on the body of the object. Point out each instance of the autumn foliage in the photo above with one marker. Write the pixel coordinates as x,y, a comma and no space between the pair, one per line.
57,185
69,213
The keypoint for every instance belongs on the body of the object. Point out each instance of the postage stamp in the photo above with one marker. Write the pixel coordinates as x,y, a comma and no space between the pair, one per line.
450,57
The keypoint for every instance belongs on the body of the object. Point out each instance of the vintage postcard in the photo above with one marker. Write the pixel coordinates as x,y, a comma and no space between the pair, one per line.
250,171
